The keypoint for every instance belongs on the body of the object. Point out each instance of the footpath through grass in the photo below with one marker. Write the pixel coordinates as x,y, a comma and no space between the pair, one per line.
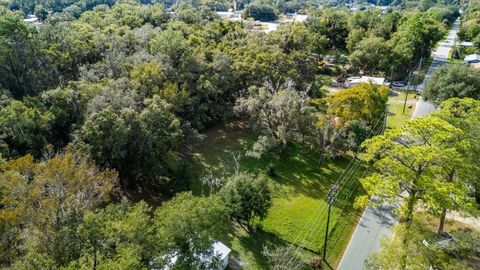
299,192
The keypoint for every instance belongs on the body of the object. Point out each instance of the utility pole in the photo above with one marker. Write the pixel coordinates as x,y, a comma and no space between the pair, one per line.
409,83
391,74
385,118
331,198
406,94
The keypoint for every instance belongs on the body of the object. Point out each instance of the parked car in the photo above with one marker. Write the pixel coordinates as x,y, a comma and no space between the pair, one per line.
398,84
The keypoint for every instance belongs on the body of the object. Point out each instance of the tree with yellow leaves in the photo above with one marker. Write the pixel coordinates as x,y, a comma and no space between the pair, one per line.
38,199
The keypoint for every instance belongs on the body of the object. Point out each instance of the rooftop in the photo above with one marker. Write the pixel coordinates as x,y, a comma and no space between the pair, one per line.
367,79
472,58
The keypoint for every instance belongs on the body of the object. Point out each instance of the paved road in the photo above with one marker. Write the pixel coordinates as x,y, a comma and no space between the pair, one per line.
422,108
377,222
440,57
374,223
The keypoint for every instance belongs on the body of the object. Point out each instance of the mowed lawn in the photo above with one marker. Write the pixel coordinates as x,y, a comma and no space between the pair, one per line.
396,101
299,190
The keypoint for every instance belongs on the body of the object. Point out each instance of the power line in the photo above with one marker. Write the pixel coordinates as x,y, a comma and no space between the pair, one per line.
312,221
321,209
340,184
318,223
347,172
350,193
356,186
352,190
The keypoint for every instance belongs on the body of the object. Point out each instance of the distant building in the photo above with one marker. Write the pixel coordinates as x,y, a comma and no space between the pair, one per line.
32,19
471,58
366,79
230,15
300,18
466,44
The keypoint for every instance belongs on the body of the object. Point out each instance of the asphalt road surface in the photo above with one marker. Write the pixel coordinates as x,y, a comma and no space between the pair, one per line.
440,57
376,223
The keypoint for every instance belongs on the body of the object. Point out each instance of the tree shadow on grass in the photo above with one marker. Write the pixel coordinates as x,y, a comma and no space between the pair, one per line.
296,168
251,241
298,173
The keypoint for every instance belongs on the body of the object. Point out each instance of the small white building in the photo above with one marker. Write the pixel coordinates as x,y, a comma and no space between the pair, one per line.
365,79
471,58
466,44
31,19
234,16
300,18
220,251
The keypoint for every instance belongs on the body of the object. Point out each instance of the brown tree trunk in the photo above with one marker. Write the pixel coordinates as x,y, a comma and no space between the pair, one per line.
94,259
477,191
410,206
444,211
409,217
320,161
442,220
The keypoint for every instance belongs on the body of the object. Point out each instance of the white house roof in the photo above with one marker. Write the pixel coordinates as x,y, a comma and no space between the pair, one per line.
220,249
466,44
367,79
472,58
300,18
31,20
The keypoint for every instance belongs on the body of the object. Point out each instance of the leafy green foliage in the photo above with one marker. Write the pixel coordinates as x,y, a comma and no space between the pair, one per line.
56,203
331,24
247,197
143,146
260,12
415,38
187,226
131,85
173,46
363,101
465,115
419,159
371,54
470,28
43,199
279,114
423,249
23,128
297,189
16,54
453,81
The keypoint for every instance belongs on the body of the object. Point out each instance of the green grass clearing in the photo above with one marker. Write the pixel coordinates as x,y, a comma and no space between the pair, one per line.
298,189
396,102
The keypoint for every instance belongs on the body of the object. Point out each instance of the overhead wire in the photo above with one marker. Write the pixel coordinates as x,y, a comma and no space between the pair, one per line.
348,173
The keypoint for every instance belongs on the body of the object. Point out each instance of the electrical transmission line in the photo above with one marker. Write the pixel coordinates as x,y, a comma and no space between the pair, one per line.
341,182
